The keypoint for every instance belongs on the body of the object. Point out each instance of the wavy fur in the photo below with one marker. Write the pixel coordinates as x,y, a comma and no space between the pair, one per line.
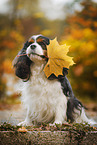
46,100
43,99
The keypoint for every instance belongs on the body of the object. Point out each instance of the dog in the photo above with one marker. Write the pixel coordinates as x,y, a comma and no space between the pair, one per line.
47,100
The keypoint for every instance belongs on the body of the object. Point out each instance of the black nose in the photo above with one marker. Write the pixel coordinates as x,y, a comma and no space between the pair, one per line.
33,46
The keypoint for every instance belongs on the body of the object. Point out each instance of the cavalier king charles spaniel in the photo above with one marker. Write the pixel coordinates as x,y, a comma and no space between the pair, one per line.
49,100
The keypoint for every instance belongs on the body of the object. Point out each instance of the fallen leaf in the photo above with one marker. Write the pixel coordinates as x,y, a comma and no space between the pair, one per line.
58,58
23,129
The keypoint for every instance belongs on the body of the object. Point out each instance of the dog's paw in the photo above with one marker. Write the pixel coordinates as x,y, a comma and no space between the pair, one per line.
56,123
25,123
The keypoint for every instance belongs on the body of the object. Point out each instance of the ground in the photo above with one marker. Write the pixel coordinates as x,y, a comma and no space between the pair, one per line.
44,134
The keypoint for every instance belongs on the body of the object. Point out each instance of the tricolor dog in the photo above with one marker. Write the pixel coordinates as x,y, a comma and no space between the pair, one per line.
49,100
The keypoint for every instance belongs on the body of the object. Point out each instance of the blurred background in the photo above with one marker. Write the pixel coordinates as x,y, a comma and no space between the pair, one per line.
73,22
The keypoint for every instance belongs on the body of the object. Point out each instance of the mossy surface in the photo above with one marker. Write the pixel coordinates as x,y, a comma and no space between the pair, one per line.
76,127
8,127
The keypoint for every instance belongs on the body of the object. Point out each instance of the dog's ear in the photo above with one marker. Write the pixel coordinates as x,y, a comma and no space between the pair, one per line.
22,64
22,51
65,71
16,59
26,45
22,67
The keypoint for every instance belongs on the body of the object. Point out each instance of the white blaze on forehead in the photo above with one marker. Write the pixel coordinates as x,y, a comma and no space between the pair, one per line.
35,37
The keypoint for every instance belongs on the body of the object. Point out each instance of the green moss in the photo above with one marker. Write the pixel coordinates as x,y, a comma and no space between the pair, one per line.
74,128
8,127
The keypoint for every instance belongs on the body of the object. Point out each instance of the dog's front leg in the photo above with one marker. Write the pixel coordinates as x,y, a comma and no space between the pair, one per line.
27,121
60,114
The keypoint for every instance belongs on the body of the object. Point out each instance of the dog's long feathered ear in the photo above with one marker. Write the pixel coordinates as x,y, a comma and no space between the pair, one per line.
22,67
16,59
22,64
22,51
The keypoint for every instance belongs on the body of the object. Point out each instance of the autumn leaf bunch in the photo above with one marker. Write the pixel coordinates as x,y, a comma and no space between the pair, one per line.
58,58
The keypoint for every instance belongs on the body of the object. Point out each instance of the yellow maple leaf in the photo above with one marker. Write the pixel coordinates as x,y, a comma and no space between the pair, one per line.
58,58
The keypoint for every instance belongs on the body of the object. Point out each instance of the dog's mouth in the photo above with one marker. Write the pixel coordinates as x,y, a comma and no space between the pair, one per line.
34,55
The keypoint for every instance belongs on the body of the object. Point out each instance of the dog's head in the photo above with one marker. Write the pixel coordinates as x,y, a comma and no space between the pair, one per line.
37,48
34,50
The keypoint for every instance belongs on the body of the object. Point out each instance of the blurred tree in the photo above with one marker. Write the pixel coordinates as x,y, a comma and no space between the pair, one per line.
81,33
10,41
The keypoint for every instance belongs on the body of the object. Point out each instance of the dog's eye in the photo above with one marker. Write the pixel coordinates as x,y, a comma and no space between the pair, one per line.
41,41
31,40
43,45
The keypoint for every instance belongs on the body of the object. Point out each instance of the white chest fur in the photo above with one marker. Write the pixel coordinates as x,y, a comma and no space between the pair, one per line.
43,98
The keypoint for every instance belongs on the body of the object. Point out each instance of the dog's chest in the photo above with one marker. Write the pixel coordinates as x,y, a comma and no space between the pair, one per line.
42,96
40,87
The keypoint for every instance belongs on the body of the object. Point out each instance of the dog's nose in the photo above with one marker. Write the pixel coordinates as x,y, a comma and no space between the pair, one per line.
33,46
